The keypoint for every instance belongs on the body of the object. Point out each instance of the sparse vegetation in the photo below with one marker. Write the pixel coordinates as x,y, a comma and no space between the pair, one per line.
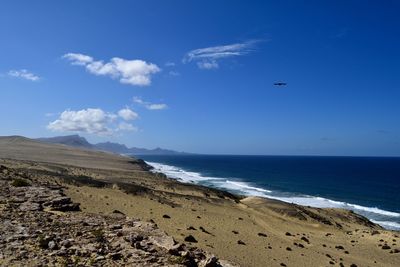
18,182
99,235
177,260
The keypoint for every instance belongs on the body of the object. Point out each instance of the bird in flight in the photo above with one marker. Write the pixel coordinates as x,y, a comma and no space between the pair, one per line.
280,84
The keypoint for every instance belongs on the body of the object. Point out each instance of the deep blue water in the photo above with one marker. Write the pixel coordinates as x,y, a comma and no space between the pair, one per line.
370,186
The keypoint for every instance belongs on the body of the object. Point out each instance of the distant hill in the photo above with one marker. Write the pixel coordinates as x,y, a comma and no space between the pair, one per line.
81,142
68,140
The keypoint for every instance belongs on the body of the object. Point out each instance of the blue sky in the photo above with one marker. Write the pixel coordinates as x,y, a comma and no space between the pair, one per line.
198,75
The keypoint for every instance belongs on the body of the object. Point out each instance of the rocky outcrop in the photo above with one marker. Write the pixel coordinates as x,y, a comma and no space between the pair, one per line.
38,228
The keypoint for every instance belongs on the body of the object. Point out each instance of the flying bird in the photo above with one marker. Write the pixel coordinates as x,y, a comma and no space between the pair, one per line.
280,84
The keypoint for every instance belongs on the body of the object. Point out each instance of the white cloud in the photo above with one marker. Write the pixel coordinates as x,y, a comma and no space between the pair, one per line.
156,106
91,120
212,64
23,74
133,72
206,58
128,114
123,126
78,59
149,105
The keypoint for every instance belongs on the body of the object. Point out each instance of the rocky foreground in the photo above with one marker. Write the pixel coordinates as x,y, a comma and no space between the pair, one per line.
40,226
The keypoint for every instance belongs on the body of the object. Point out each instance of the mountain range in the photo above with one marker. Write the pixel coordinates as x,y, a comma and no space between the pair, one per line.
81,142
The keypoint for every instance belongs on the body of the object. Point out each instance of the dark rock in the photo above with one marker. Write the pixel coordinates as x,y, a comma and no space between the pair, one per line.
190,239
118,212
262,234
204,230
240,242
165,216
116,256
305,239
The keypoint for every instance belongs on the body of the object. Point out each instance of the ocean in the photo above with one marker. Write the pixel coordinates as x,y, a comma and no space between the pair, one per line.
369,186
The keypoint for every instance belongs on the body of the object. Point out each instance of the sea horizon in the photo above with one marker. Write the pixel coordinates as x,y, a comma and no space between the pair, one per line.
296,180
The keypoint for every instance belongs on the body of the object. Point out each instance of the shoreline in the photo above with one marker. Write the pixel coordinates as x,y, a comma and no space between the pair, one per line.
304,200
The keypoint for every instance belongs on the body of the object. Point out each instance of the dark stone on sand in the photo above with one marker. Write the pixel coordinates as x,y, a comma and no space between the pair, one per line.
288,249
116,256
235,232
262,234
385,247
305,239
240,242
204,230
190,239
191,228
288,234
339,247
118,212
165,216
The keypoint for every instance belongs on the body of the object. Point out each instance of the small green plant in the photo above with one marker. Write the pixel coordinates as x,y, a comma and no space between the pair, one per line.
18,182
99,235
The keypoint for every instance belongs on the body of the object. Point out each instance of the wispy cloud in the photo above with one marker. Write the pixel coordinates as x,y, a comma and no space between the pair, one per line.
149,105
23,74
208,65
207,58
94,121
133,72
170,64
174,73
124,126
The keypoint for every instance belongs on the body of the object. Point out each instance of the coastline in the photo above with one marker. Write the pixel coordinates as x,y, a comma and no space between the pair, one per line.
249,231
245,188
